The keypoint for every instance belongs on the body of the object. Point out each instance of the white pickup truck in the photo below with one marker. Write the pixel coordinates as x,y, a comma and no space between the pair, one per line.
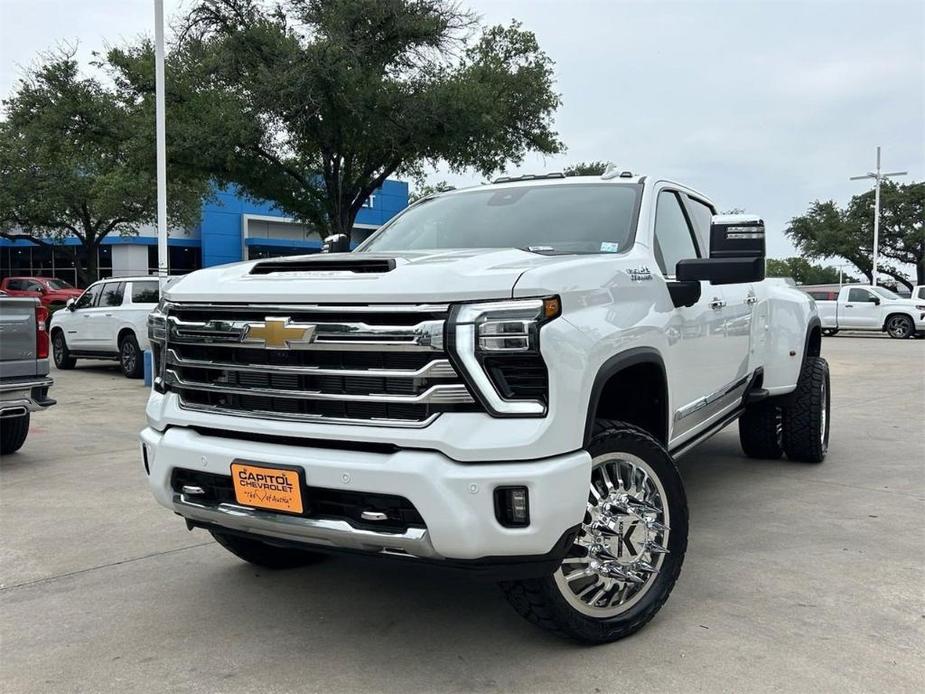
498,380
864,307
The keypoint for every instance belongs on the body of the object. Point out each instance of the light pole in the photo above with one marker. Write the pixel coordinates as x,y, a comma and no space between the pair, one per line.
160,132
878,176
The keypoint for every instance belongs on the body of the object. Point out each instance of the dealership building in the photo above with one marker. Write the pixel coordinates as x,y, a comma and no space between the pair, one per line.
232,228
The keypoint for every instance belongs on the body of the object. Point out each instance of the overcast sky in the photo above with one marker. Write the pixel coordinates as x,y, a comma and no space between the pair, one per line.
765,106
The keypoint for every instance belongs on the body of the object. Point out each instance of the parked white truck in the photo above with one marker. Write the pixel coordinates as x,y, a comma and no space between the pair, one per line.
864,307
498,380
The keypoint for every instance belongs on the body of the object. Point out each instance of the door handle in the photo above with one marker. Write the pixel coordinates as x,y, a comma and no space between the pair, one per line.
108,315
849,305
717,304
751,300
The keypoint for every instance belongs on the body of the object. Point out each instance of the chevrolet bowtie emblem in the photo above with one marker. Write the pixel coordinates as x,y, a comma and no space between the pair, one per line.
279,333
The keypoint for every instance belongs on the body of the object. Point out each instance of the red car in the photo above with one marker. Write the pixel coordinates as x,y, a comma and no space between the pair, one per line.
52,292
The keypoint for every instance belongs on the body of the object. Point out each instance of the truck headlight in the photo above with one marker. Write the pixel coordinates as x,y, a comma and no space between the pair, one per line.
157,322
157,336
496,347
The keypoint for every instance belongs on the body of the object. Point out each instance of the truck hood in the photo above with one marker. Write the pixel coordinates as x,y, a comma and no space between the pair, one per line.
414,277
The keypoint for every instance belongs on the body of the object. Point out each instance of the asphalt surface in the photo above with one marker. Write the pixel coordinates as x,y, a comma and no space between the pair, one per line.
797,577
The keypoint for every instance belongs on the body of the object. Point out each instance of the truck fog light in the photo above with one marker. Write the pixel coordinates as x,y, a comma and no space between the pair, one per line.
512,506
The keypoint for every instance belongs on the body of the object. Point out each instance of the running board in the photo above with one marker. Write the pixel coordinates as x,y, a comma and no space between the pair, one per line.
714,428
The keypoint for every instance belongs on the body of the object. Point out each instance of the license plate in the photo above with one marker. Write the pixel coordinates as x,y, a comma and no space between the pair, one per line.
272,488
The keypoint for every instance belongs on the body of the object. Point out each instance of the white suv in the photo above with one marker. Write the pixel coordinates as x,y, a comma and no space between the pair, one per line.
108,321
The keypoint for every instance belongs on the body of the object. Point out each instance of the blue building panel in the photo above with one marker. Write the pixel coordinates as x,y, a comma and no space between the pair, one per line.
222,223
220,232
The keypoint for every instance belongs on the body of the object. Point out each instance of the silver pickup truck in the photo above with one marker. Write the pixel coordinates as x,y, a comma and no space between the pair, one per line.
24,380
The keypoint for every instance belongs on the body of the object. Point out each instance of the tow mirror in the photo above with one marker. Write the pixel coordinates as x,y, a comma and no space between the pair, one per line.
737,236
720,270
737,250
336,243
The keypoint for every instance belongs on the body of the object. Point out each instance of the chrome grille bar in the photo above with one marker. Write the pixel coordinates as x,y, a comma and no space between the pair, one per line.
454,394
317,418
424,336
438,368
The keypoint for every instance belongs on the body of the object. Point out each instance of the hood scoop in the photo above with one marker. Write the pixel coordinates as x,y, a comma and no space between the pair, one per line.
325,265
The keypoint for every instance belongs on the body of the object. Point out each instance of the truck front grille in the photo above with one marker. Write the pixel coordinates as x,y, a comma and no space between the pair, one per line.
344,364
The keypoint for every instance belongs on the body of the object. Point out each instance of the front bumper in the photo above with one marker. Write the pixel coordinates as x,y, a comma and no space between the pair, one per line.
455,500
21,396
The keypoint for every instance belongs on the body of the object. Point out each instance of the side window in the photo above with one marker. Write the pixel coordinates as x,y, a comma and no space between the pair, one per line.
819,296
702,217
674,239
15,285
89,297
112,294
145,293
33,286
860,295
920,294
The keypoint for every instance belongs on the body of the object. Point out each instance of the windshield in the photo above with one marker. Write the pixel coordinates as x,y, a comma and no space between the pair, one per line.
569,218
58,284
886,293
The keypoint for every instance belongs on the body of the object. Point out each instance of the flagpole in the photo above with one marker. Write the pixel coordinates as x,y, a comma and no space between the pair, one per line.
161,136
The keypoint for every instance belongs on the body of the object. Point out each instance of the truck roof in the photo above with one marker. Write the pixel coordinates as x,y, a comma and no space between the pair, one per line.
559,179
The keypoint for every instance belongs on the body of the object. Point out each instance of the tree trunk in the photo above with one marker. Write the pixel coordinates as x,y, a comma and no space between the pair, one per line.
920,271
342,220
92,266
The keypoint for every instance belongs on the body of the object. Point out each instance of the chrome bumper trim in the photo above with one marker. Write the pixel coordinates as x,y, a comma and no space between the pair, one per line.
16,398
413,542
26,385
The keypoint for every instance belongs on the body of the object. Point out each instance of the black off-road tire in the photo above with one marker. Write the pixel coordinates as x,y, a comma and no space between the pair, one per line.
760,431
806,421
899,327
13,433
540,601
265,555
60,353
131,358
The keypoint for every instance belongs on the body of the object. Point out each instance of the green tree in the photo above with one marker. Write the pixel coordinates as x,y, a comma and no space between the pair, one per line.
827,230
804,272
423,191
76,160
313,104
586,168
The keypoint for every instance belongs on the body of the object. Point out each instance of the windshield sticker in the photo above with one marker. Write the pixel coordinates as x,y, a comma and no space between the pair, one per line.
609,247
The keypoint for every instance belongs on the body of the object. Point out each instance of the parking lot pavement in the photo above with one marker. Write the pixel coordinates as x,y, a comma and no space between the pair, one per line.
797,578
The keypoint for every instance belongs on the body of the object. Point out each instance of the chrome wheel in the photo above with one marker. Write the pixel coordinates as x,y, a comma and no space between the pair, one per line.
623,539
